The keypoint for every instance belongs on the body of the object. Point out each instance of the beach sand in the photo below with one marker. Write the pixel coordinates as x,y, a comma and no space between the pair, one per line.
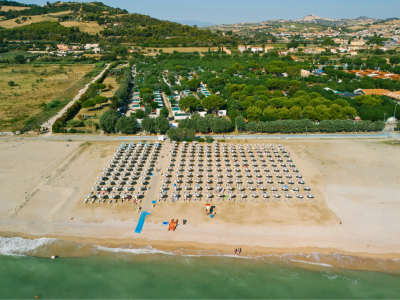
43,184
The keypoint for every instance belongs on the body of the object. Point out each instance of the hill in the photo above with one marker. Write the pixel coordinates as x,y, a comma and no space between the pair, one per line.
104,23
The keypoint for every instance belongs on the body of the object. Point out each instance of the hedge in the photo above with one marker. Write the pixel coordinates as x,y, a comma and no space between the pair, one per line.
326,126
68,115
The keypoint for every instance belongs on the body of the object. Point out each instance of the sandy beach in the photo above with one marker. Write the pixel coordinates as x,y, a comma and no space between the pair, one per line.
43,184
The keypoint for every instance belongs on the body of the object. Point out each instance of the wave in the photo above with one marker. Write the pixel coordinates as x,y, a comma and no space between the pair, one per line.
20,246
146,250
311,263
46,247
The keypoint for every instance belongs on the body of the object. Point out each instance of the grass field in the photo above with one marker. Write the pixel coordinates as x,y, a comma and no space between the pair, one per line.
34,19
7,8
107,92
89,27
35,87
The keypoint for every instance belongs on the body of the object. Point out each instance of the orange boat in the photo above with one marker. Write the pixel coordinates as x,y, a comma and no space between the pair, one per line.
172,225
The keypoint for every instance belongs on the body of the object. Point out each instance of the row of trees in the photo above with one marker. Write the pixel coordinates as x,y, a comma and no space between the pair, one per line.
208,124
303,126
210,103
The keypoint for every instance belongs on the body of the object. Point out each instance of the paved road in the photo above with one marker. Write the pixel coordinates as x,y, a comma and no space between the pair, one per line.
60,113
227,137
150,195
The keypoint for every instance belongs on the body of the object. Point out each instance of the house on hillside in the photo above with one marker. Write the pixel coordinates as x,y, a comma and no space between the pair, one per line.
241,48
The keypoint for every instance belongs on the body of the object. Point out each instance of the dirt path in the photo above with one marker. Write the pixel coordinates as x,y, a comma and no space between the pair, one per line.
61,112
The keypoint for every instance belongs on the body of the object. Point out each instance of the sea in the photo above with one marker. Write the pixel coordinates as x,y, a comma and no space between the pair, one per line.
87,271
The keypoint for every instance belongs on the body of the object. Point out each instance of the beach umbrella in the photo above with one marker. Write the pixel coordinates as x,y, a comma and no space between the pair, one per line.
310,196
299,196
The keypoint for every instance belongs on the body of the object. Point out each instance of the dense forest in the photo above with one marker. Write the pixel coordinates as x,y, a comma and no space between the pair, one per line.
251,87
33,10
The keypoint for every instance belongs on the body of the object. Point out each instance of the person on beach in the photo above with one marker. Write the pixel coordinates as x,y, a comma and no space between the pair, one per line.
239,250
234,251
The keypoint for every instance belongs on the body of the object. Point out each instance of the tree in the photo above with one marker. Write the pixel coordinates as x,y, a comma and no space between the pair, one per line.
147,110
212,102
189,103
101,86
240,123
127,124
370,100
293,71
91,92
108,120
140,114
100,100
147,98
148,124
203,125
193,84
295,113
19,59
283,113
161,124
254,113
24,19
154,105
335,112
164,112
173,134
89,103
144,91
309,112
11,83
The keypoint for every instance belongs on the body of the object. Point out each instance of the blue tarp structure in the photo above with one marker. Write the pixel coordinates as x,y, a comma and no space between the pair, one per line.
141,221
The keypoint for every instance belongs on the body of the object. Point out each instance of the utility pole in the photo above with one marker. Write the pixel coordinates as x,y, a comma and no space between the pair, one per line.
306,131
384,116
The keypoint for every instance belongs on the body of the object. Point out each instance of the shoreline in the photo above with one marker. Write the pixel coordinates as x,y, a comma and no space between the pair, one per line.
305,257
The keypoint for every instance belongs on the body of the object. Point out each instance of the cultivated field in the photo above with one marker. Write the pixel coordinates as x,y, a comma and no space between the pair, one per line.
7,8
34,19
89,27
36,86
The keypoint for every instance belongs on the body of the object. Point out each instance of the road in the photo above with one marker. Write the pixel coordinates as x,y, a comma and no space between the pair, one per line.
60,137
61,112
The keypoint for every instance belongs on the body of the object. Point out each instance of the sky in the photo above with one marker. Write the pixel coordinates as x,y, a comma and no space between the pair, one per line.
236,11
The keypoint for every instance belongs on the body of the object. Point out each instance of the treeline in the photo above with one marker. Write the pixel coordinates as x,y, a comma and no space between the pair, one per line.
303,126
34,10
121,94
47,30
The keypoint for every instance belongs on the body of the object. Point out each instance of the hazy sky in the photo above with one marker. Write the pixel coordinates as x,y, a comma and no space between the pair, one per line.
234,11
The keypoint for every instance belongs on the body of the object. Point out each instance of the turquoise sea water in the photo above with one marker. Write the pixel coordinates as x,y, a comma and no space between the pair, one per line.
134,274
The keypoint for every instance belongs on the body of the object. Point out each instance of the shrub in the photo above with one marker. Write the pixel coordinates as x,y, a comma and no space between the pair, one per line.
209,139
72,130
74,123
200,140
